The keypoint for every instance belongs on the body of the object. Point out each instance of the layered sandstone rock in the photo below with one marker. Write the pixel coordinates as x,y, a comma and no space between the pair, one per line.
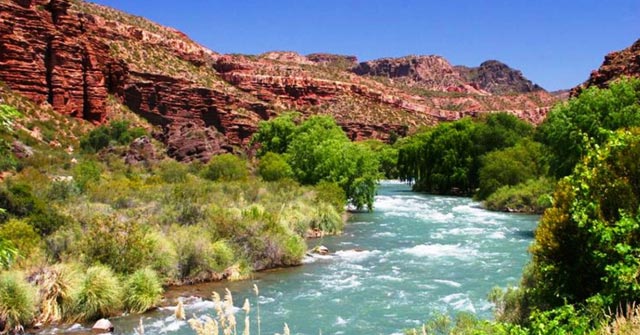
73,55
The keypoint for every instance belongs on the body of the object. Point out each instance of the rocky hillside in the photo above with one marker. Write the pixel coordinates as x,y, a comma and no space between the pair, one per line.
77,56
498,78
616,64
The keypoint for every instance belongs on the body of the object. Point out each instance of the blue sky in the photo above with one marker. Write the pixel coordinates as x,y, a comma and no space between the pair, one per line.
554,43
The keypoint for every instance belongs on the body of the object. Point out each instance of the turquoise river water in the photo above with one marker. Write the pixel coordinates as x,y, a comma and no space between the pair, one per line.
414,257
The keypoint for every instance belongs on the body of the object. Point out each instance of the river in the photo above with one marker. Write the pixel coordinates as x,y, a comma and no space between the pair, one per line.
421,255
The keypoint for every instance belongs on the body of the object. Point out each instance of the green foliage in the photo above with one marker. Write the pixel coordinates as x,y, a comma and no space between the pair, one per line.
588,243
173,172
86,173
118,243
560,321
275,135
510,166
196,253
20,235
116,133
7,115
530,196
331,193
570,127
466,324
327,219
8,253
17,300
143,291
387,157
446,159
7,159
99,295
318,150
226,167
20,201
274,167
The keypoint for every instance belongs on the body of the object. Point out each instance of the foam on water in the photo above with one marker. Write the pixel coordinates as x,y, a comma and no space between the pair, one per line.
441,250
448,282
356,255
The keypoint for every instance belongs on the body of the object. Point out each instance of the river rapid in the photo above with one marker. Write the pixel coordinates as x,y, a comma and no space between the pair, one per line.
414,257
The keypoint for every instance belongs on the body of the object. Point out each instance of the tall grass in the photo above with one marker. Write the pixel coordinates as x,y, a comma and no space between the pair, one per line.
99,295
57,288
143,291
17,301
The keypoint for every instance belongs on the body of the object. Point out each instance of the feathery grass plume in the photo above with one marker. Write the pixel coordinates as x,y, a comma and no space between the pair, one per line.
424,329
140,329
143,291
99,295
624,322
57,288
246,307
247,324
180,311
207,327
256,291
286,329
17,301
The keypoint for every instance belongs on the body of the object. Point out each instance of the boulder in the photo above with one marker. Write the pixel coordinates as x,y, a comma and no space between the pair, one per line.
102,325
320,250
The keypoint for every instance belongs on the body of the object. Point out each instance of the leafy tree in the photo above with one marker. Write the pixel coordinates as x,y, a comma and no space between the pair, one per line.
318,150
275,135
511,166
446,159
587,245
570,127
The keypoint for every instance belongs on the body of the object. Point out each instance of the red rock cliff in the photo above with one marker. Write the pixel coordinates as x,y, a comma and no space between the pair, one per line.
73,55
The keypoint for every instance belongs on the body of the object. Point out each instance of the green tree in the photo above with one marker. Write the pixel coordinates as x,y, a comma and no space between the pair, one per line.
572,126
511,166
587,245
275,135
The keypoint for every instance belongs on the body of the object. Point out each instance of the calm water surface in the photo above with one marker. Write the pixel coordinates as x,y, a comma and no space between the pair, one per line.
422,255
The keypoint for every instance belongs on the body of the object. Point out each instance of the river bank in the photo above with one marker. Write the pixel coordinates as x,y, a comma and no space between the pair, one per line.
423,255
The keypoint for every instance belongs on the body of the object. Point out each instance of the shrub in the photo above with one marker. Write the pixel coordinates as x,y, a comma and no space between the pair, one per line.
196,256
99,295
331,193
173,172
116,132
117,243
531,196
26,241
143,291
86,172
226,167
327,219
17,300
163,257
273,167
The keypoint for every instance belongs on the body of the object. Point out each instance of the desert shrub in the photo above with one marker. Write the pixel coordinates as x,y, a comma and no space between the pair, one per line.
24,238
116,132
61,190
18,199
99,295
194,248
163,257
86,172
143,291
273,167
466,323
7,160
116,242
17,300
172,172
223,254
531,196
226,167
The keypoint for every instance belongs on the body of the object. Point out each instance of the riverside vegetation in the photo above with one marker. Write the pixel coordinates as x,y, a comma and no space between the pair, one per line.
71,213
84,235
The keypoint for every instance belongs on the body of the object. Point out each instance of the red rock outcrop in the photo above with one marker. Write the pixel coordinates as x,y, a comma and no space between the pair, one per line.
498,78
616,64
74,54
